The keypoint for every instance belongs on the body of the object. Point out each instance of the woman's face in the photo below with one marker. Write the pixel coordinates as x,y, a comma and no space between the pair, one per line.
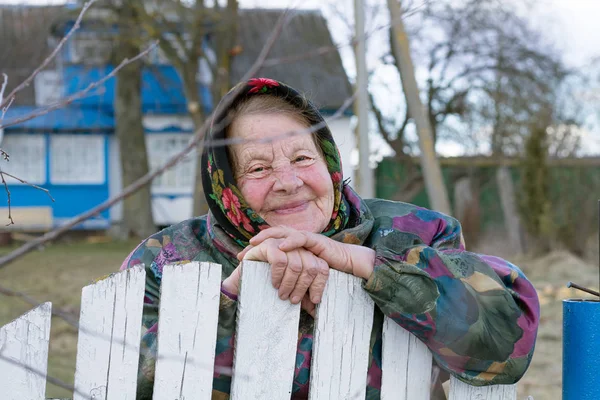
286,181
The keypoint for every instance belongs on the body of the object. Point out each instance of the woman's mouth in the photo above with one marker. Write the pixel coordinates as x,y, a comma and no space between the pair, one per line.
292,208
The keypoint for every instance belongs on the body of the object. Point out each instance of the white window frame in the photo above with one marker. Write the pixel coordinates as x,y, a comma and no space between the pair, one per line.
178,179
31,170
88,175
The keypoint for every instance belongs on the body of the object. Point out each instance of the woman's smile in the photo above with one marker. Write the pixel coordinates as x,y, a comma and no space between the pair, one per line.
291,208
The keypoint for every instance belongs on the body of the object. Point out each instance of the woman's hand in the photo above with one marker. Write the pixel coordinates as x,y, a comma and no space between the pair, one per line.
294,272
349,258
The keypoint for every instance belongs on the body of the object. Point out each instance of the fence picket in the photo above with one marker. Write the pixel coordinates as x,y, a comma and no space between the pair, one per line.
342,335
187,331
266,338
461,391
24,355
109,337
406,365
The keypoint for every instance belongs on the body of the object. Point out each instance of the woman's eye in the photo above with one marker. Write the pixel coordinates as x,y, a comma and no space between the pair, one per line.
257,170
301,158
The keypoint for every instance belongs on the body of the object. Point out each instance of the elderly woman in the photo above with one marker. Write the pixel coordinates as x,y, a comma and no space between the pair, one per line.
281,199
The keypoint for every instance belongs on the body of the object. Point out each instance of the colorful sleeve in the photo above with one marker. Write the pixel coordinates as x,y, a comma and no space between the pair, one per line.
477,314
156,252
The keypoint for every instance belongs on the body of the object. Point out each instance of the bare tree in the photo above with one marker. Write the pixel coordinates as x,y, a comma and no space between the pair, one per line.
488,67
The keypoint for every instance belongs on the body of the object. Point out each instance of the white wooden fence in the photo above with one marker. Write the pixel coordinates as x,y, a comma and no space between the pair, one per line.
266,340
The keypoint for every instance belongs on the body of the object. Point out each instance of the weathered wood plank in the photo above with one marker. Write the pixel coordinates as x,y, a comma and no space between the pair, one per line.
187,331
109,337
266,338
461,391
342,336
406,365
24,355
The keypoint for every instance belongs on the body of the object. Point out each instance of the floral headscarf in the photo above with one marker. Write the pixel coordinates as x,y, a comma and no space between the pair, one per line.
225,200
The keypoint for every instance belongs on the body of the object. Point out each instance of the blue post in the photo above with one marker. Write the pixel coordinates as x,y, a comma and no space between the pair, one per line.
581,349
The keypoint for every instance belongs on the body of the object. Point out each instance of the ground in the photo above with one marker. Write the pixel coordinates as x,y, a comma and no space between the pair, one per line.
58,272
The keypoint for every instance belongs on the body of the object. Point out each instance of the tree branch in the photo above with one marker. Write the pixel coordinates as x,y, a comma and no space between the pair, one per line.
3,88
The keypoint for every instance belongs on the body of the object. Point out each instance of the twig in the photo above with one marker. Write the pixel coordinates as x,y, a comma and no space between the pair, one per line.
3,88
27,183
76,96
12,222
27,82
5,109
583,289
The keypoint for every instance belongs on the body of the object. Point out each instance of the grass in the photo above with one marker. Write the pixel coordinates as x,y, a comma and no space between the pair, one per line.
57,274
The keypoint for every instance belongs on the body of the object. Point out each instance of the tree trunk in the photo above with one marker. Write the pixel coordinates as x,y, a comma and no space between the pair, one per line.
512,220
467,209
432,173
137,218
224,51
194,101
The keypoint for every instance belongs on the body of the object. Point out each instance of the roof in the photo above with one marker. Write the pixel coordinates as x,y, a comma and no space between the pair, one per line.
66,119
24,34
321,77
74,119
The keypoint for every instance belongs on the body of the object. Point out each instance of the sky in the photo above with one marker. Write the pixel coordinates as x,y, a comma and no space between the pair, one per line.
570,25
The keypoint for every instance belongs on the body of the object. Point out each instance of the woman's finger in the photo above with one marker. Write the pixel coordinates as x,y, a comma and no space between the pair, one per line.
310,270
275,232
291,275
242,253
278,260
299,239
268,251
308,306
317,287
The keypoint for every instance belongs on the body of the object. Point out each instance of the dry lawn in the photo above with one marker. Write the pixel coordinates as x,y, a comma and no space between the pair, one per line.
58,273
550,275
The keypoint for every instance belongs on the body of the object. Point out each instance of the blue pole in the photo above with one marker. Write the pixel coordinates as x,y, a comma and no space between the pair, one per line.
581,349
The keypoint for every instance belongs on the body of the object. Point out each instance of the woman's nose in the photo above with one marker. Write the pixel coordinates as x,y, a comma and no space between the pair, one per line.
286,179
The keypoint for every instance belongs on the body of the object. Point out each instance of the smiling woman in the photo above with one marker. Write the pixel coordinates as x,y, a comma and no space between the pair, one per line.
281,199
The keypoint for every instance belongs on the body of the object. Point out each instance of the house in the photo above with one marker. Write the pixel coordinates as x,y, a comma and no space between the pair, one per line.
72,151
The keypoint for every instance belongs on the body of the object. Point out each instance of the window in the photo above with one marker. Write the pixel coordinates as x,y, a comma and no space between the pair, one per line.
91,48
178,179
27,158
48,87
77,159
